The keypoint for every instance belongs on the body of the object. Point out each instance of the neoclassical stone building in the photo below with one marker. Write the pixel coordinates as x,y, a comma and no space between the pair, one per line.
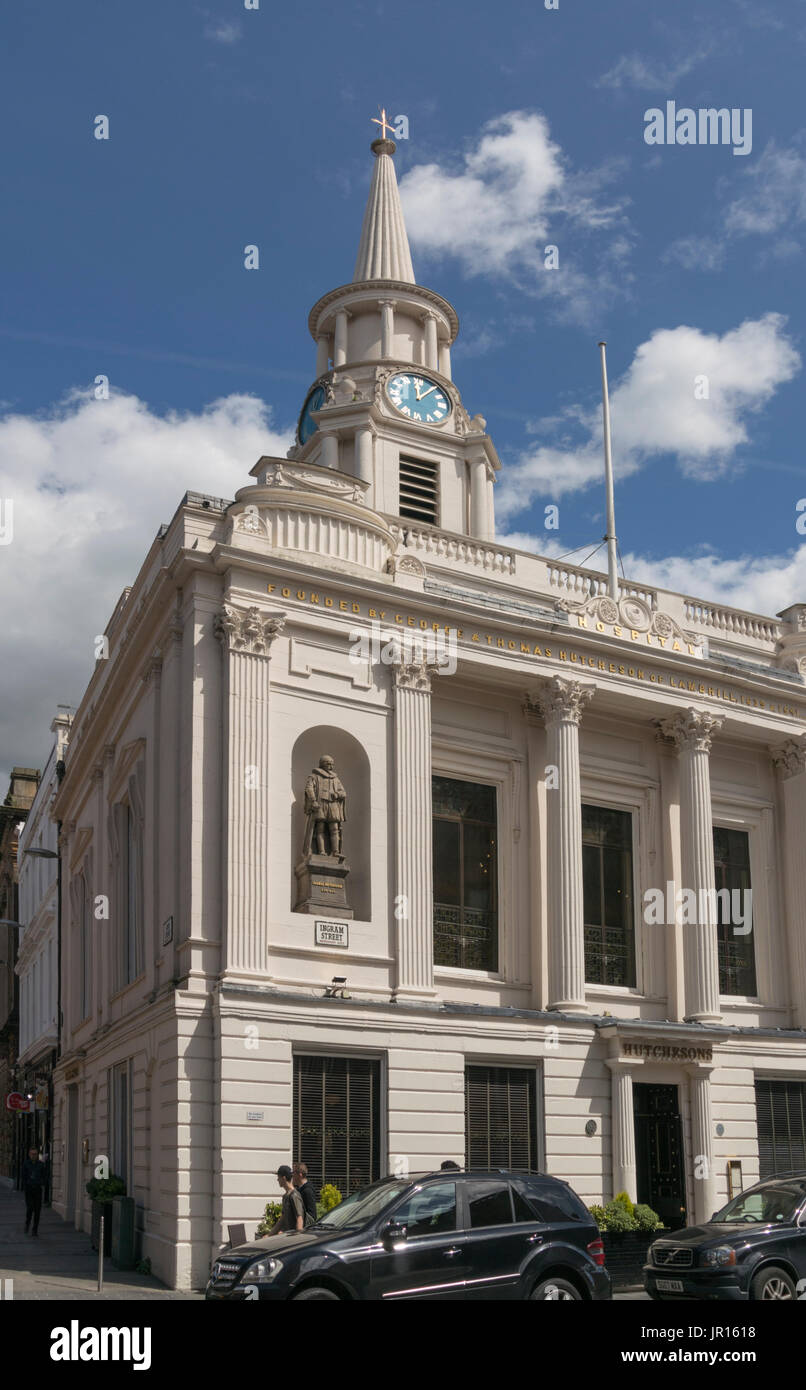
480,976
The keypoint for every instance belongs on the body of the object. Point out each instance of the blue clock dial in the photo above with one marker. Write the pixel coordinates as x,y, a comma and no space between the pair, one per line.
418,398
307,425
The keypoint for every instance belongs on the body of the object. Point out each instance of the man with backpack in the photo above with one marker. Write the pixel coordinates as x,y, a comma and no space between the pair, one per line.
305,1191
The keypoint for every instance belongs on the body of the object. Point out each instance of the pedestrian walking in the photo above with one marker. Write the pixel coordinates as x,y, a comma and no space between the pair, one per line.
306,1192
292,1215
33,1182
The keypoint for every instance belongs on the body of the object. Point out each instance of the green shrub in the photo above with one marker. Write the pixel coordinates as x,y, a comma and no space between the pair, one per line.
104,1189
270,1218
598,1214
618,1218
647,1219
626,1201
329,1197
144,1266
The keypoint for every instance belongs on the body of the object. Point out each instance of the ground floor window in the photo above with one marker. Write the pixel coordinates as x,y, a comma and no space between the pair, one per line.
501,1117
121,1123
337,1120
781,1119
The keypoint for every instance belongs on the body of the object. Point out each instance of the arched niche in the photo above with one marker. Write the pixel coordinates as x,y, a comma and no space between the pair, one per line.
352,766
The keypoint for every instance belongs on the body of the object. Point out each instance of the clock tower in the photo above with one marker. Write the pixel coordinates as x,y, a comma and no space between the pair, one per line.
383,408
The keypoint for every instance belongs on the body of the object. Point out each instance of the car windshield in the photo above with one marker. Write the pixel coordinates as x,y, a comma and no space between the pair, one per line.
363,1206
765,1205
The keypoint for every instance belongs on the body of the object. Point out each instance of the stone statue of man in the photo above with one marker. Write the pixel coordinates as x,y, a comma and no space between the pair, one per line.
325,809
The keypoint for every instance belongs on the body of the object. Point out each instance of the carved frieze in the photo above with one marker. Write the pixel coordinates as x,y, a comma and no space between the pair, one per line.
790,757
632,613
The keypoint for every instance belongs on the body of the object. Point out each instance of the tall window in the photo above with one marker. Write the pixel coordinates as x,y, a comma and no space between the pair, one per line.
84,942
501,1117
126,828
737,957
465,874
120,1122
337,1120
607,876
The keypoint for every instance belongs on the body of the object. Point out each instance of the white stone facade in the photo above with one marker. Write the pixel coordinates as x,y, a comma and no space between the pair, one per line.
233,666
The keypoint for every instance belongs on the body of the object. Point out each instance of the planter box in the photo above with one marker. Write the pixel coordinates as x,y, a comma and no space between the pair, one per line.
626,1255
97,1209
123,1232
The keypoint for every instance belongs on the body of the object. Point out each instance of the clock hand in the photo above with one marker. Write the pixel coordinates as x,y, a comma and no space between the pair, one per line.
426,393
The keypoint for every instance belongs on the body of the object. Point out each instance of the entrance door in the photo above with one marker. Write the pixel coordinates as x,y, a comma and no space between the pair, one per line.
71,1153
659,1152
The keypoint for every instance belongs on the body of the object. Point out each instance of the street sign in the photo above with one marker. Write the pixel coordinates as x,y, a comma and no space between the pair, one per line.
16,1101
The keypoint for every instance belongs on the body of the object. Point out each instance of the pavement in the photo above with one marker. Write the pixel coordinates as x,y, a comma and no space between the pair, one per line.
60,1263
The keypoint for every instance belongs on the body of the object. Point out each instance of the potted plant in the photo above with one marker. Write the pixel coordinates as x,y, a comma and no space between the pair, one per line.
101,1191
627,1231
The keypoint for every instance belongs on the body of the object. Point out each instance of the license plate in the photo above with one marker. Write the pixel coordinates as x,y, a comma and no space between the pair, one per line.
669,1285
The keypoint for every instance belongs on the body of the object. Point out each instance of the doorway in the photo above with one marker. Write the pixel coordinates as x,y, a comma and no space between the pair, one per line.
659,1152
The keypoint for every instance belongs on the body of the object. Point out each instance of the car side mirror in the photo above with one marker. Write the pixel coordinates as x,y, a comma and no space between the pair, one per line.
393,1233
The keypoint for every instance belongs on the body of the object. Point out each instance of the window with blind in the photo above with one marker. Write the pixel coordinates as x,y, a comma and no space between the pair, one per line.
607,879
501,1117
465,874
781,1120
419,491
737,957
337,1120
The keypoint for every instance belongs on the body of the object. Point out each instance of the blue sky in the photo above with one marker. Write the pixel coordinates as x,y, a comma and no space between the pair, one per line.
231,126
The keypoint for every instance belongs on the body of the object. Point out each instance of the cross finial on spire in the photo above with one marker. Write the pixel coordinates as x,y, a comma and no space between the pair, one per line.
383,123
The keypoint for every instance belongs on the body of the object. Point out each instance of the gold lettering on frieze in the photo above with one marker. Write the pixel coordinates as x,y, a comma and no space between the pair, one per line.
500,642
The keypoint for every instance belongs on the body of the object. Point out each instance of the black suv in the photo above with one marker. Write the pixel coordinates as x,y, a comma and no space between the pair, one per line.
458,1235
754,1248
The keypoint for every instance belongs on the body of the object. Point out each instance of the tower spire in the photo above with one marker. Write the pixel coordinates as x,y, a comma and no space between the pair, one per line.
383,252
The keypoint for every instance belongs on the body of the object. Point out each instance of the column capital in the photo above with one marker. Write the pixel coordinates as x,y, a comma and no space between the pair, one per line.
692,730
415,674
388,303
558,700
790,757
247,630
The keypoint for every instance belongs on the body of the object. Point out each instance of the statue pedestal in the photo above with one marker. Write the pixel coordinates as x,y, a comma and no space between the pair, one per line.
322,889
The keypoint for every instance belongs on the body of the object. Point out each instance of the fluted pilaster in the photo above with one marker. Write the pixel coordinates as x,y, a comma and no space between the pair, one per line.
414,891
561,703
623,1127
246,635
693,732
790,761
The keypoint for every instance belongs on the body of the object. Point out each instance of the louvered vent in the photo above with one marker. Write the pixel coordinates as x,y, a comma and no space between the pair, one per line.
419,498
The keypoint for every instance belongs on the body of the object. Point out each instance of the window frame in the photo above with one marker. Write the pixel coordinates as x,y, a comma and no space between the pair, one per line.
350,1054
630,811
737,812
616,790
495,910
537,1073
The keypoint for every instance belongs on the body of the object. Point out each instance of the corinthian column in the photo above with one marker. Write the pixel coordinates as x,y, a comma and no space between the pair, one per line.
414,887
561,703
790,760
246,635
693,732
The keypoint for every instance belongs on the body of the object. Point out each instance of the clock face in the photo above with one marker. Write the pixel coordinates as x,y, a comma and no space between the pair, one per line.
307,426
418,398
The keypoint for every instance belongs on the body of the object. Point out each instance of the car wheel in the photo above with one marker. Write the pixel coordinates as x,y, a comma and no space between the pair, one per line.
316,1293
556,1289
772,1283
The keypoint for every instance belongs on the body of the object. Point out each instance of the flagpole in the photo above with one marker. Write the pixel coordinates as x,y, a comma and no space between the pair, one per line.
610,537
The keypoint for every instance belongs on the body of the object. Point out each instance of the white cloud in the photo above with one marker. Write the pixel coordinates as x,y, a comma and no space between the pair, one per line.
773,192
91,481
655,411
513,195
696,253
632,70
223,31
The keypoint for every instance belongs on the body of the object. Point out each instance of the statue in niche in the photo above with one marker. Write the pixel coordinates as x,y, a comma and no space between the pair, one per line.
325,811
